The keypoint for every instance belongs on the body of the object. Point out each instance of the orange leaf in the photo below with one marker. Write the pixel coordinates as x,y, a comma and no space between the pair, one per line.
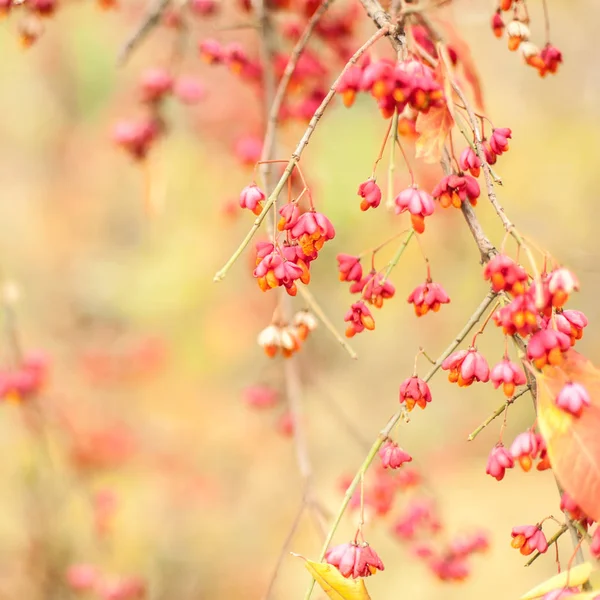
465,60
433,128
573,443
444,74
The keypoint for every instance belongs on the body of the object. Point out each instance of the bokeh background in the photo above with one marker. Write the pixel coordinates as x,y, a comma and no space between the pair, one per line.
140,456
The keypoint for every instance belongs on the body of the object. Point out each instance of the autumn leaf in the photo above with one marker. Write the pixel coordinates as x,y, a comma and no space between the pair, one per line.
466,62
433,128
573,443
573,577
335,585
444,75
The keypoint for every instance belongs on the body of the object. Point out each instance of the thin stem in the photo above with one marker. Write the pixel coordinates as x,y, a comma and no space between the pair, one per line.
389,203
10,325
293,389
383,20
551,541
486,248
328,400
487,170
295,158
501,409
385,432
362,506
410,171
383,244
397,256
150,21
268,48
290,67
284,548
382,148
316,308
483,325
546,20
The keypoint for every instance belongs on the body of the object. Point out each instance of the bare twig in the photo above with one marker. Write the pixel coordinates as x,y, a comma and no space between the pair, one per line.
383,20
279,94
295,158
486,249
150,21
393,136
392,264
501,409
316,308
551,541
284,549
385,432
268,48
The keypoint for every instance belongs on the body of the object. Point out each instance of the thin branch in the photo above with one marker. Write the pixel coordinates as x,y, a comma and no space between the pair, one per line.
293,389
316,308
284,548
389,203
268,48
546,20
383,20
397,256
486,249
487,170
385,432
275,106
552,540
150,21
501,409
9,295
327,399
295,158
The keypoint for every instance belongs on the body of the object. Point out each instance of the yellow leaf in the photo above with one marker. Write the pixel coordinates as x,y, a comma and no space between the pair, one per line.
573,577
433,128
335,585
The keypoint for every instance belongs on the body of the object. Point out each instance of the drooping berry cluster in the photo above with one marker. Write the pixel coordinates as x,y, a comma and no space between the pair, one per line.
374,288
282,263
287,338
546,60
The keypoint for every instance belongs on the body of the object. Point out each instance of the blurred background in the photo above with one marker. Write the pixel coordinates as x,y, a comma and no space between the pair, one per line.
139,456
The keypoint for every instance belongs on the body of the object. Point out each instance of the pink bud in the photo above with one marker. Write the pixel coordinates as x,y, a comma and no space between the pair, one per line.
469,161
509,375
392,456
250,197
414,391
498,461
371,194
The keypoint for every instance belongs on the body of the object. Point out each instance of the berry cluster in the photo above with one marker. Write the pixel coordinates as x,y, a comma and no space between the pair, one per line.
284,263
546,60
416,524
287,339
